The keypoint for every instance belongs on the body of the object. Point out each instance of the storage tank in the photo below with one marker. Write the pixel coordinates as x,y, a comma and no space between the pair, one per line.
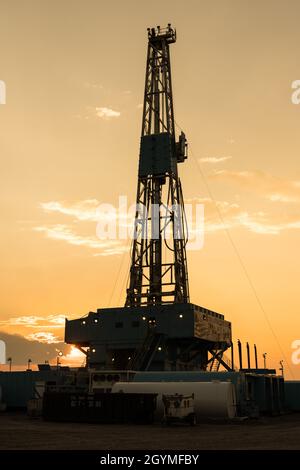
212,399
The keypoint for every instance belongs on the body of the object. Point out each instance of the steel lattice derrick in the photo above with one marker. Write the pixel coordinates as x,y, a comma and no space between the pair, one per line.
153,278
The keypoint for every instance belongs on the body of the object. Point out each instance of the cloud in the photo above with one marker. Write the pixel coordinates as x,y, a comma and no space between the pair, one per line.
271,187
263,225
111,231
217,216
20,349
43,337
91,210
212,208
214,159
82,210
276,197
220,215
56,319
30,320
93,85
35,321
33,336
64,233
107,113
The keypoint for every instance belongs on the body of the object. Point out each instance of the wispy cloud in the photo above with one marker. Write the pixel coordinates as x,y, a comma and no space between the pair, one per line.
107,113
93,85
86,210
101,215
65,233
271,187
91,210
217,216
263,224
35,321
212,208
56,319
214,159
220,215
43,337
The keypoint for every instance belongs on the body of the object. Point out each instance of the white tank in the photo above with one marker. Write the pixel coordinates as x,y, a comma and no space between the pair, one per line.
212,399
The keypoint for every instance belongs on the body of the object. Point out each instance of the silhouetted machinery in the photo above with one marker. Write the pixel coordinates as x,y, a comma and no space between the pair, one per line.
158,328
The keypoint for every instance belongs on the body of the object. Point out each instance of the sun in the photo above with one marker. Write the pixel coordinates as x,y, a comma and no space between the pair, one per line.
75,353
74,357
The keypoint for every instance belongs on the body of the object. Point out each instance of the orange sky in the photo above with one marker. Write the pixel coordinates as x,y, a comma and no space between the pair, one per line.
69,140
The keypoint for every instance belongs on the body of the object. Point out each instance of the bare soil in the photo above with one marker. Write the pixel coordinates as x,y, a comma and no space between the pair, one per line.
18,431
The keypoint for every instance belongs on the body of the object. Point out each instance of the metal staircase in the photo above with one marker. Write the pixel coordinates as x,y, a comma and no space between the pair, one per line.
219,358
142,357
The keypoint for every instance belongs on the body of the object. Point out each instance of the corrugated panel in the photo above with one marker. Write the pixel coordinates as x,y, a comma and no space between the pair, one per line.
292,394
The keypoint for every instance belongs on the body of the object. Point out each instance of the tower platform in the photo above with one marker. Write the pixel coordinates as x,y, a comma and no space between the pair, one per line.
163,337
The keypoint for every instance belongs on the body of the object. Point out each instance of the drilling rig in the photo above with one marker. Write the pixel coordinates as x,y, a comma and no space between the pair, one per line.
158,328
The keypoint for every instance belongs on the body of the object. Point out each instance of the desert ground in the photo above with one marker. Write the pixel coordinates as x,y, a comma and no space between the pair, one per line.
19,432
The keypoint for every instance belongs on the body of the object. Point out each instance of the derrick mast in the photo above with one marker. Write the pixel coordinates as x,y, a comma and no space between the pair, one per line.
156,278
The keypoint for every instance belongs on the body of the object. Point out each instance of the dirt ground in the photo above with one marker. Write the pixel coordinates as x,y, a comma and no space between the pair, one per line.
17,431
